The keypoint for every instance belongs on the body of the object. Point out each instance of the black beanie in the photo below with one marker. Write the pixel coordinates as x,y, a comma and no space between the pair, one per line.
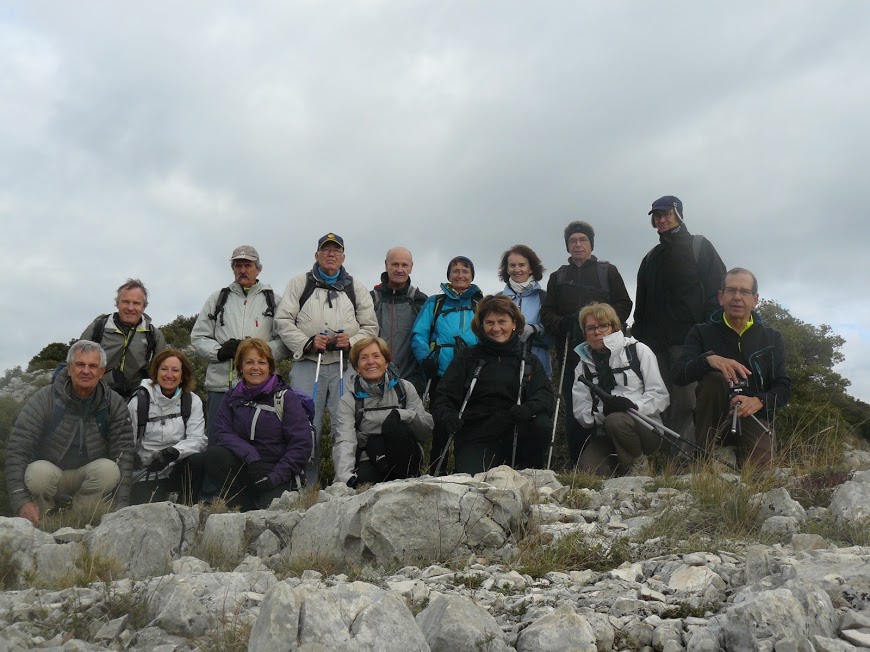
580,227
460,259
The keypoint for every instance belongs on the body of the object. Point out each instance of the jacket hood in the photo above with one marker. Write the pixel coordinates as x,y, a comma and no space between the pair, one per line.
469,292
532,289
156,393
384,286
718,317
368,390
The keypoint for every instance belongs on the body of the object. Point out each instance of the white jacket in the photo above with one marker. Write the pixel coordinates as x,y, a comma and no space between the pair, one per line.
243,317
163,434
650,395
296,326
348,440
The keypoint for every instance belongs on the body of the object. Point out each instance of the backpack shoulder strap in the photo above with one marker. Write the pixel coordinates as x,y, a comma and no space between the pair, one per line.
219,305
697,243
358,404
634,361
439,308
376,299
143,404
308,290
350,291
402,394
186,409
99,328
269,294
603,276
151,341
410,298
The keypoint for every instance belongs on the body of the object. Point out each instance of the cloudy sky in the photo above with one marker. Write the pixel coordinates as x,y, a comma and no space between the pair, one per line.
149,139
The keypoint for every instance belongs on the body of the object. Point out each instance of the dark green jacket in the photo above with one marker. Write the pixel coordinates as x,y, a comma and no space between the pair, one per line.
29,442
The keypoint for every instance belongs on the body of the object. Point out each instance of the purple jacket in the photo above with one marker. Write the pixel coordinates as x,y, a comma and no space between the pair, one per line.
284,445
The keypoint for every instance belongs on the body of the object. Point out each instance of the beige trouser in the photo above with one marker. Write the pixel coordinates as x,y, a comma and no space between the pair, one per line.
630,438
86,484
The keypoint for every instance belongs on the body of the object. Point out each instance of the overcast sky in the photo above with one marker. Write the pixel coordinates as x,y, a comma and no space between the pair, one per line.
149,139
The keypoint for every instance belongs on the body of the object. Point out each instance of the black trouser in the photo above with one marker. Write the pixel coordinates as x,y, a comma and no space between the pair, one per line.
475,454
440,436
230,475
185,479
713,423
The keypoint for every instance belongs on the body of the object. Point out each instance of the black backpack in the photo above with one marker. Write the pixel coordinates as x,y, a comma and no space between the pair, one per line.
143,403
221,303
633,364
394,452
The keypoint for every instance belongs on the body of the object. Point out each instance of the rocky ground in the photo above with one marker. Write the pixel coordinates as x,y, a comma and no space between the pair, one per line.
491,563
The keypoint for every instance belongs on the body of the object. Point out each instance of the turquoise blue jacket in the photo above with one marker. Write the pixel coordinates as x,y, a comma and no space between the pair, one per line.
454,321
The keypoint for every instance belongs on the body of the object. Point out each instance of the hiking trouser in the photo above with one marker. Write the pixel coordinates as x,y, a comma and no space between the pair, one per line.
234,484
477,455
440,436
576,435
327,400
213,404
678,416
185,479
86,484
630,438
713,423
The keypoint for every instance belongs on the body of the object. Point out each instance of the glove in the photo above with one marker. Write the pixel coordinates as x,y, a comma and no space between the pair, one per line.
570,325
258,472
430,367
528,332
352,481
521,413
227,350
162,459
617,404
452,422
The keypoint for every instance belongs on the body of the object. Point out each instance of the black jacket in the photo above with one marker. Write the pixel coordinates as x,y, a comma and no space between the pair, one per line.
760,348
571,288
486,417
674,291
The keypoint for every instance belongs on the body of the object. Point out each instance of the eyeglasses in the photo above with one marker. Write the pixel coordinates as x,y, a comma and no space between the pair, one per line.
662,215
743,292
598,329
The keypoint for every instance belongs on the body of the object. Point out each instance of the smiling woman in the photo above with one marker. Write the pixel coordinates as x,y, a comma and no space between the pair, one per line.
263,437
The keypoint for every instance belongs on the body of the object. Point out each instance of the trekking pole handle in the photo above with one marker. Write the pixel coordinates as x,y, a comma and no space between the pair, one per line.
474,378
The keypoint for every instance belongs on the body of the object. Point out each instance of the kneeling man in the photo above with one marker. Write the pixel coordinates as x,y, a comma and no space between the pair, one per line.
73,437
739,364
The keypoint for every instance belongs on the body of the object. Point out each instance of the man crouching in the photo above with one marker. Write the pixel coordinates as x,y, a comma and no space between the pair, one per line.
739,364
73,437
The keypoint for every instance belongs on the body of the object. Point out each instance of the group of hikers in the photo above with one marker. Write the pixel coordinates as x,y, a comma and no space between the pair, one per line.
396,370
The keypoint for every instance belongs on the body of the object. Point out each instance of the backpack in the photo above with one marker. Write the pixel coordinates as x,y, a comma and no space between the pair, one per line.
311,284
633,365
143,403
359,402
59,411
435,347
409,297
150,338
278,409
393,451
603,268
219,306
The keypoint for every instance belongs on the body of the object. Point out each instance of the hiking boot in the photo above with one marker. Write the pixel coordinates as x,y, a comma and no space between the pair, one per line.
640,466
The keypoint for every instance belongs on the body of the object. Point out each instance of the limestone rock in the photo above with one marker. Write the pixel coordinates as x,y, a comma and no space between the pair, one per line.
456,624
145,538
560,631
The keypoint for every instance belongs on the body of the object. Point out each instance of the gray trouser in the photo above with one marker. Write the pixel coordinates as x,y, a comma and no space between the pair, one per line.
679,416
86,484
328,395
630,438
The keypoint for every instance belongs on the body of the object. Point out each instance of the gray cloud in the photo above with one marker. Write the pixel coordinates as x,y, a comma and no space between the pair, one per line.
149,140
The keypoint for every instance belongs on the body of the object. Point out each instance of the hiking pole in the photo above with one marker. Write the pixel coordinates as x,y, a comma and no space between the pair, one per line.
426,391
519,402
340,368
558,400
673,438
446,450
317,373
